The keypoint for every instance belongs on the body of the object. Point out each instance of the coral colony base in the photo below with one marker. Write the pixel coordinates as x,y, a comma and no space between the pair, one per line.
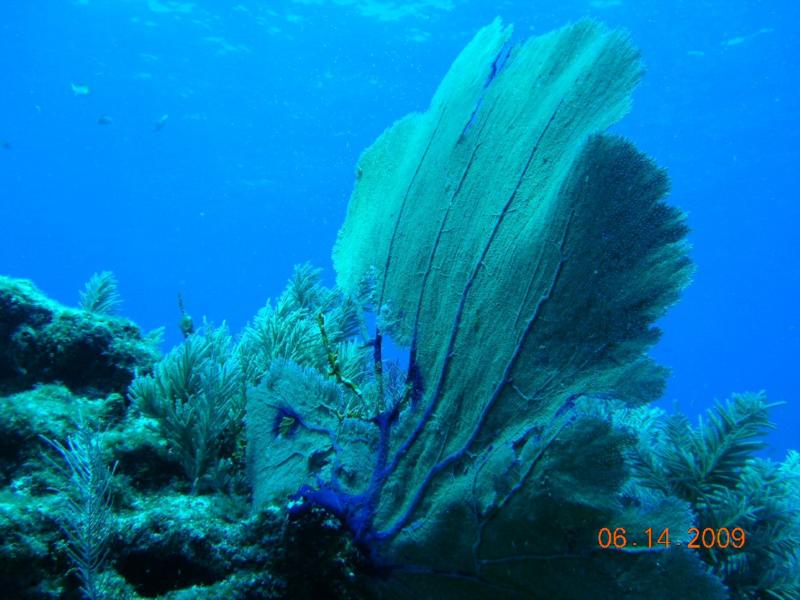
521,256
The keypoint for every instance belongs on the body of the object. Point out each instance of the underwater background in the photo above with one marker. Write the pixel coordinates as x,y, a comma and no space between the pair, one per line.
399,300
267,106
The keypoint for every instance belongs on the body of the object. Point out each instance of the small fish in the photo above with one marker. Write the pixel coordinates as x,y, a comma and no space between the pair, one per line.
161,123
80,90
5,144
104,120
735,41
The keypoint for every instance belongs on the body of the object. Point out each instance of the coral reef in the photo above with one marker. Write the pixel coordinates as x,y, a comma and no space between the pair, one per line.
143,495
71,527
42,341
610,464
521,256
550,251
524,271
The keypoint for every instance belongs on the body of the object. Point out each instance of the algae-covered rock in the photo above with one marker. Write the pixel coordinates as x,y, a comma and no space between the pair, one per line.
49,410
30,564
43,341
162,543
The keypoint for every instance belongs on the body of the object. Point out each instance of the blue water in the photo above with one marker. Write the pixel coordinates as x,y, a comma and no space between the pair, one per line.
264,108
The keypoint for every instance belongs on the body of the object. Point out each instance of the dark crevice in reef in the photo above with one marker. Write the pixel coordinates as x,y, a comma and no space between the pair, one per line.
318,558
153,574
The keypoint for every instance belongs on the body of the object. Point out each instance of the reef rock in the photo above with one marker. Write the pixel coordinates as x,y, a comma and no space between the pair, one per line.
42,341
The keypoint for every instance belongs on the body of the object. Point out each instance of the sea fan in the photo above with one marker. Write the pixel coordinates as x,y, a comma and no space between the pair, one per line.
524,256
